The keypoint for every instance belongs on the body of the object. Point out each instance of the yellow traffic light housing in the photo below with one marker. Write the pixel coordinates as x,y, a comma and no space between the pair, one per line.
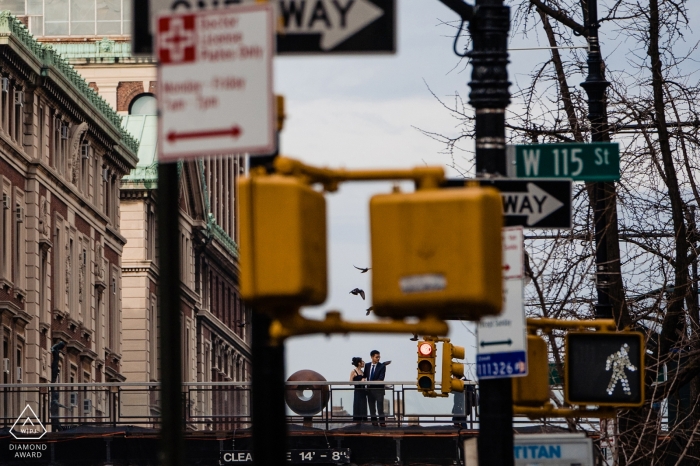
283,242
533,389
437,251
452,372
426,366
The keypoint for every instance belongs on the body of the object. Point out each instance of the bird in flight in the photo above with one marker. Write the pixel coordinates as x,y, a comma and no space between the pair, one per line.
363,270
357,291
369,309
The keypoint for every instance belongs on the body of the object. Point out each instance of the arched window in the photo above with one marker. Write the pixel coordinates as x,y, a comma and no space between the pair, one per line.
144,104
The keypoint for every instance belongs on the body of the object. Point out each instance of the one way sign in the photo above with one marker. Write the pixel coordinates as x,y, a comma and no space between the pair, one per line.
336,26
534,203
313,27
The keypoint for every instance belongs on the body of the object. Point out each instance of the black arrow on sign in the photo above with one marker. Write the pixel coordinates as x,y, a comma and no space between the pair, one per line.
492,343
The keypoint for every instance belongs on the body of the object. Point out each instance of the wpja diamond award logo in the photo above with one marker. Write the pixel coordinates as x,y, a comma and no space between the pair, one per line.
28,426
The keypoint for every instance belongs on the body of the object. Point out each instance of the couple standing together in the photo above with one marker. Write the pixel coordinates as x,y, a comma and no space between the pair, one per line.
369,394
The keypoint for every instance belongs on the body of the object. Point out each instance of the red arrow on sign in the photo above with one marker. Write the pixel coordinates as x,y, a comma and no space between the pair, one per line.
234,132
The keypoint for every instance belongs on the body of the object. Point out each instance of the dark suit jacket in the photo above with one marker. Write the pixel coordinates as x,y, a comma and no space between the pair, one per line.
379,372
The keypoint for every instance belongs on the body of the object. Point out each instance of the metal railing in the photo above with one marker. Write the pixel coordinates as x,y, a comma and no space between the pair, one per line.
226,406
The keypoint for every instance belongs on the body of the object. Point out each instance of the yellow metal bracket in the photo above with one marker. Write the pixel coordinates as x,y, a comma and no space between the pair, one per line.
549,410
424,177
547,325
294,324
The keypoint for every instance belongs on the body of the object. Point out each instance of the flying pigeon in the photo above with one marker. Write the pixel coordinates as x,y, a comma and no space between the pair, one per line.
369,309
357,291
362,270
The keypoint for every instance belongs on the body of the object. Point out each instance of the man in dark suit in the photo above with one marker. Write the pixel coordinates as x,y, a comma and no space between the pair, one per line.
375,395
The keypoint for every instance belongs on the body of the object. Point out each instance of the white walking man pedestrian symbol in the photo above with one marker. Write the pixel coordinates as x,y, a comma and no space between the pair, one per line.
618,362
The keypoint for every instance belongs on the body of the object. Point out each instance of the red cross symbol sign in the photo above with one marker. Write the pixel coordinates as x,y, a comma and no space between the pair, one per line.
178,40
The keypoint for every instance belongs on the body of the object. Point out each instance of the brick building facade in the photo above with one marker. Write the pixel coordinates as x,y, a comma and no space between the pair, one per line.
63,153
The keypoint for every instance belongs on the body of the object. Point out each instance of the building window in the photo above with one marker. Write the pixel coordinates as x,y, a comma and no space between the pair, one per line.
113,316
19,245
6,230
74,17
153,339
144,104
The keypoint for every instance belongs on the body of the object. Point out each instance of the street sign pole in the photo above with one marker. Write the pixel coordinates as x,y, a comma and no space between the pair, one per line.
268,415
604,198
169,287
490,96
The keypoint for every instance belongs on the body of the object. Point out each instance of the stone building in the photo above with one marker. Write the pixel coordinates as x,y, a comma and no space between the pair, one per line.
92,36
63,153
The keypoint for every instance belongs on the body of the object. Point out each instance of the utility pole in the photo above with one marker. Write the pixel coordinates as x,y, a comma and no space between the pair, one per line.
168,208
490,96
595,86
268,415
489,22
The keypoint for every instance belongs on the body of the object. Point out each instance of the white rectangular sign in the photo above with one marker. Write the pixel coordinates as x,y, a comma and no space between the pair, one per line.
513,253
215,82
502,340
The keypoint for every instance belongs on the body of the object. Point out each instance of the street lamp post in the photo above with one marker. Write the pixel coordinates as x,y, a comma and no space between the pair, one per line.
595,85
489,22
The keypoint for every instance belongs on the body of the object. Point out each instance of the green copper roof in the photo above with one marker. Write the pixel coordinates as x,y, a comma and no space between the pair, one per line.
52,60
102,51
145,130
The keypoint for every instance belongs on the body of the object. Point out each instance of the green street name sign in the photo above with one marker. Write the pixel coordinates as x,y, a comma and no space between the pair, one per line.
597,161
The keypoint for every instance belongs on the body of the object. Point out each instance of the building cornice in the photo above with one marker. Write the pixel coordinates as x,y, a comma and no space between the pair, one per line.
225,332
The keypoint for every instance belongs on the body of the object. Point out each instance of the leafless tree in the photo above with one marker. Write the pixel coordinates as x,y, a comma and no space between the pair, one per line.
653,112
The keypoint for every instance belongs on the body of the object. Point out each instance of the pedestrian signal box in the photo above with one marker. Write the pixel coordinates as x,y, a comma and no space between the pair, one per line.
283,242
426,366
452,372
437,251
604,368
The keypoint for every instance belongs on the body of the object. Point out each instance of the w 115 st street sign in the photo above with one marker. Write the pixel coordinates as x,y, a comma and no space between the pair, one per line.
578,161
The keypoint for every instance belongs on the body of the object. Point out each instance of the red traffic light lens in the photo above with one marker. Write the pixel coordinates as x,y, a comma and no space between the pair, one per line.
425,349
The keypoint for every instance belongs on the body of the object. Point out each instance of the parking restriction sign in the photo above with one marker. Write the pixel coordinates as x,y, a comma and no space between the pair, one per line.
215,82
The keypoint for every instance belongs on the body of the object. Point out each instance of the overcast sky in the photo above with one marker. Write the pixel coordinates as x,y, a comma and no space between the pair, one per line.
362,111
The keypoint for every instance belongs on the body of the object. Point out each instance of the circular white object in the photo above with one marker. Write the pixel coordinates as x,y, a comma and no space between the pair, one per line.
425,349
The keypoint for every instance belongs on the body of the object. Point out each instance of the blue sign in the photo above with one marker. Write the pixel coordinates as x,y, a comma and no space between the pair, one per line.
501,365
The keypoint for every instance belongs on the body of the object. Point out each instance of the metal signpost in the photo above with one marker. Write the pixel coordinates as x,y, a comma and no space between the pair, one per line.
535,203
215,82
310,27
215,96
501,343
577,161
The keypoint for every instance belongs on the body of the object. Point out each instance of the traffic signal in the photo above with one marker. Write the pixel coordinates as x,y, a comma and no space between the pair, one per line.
283,242
437,251
426,366
452,372
604,368
533,389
